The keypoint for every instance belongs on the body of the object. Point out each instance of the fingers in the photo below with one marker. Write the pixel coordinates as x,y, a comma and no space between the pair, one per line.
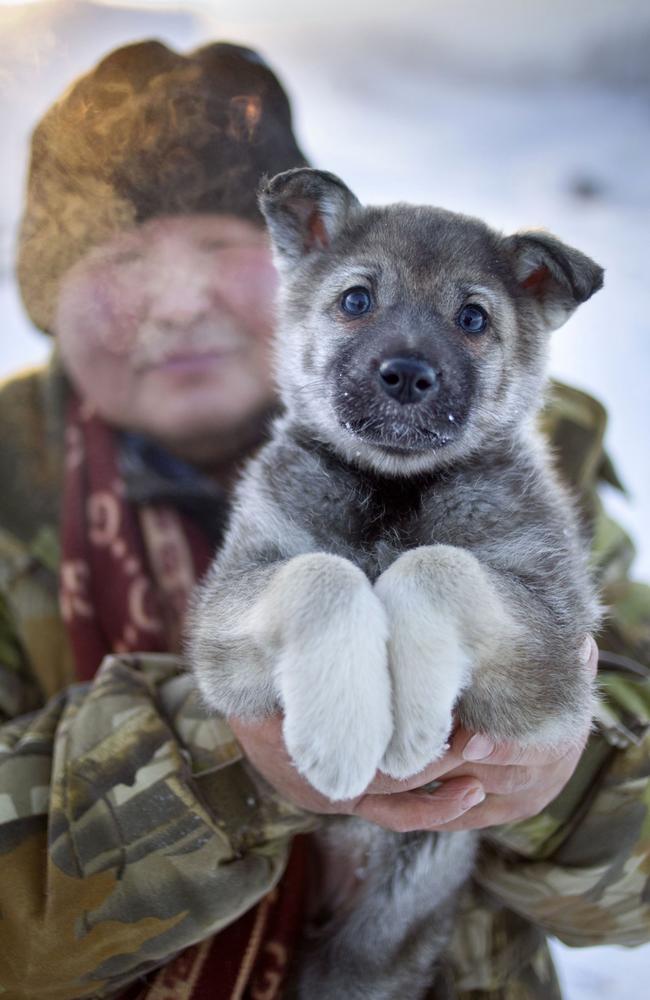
409,811
514,792
382,784
509,779
495,810
480,748
504,780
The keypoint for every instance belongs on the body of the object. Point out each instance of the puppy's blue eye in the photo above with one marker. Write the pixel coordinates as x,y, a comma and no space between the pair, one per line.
356,301
472,319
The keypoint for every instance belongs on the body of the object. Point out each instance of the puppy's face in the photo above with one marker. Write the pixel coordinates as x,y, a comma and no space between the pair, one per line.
410,336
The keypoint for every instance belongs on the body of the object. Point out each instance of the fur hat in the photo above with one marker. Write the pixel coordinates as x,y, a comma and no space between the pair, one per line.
147,132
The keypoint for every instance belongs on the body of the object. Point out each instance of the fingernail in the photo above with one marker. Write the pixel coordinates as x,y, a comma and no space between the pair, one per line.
472,798
585,649
478,748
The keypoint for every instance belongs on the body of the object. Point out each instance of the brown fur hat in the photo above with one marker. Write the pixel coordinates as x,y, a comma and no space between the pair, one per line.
147,132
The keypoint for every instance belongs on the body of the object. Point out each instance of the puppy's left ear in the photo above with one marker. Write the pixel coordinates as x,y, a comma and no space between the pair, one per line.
557,277
304,210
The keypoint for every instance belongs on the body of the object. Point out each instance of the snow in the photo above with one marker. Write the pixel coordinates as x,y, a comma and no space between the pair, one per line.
525,113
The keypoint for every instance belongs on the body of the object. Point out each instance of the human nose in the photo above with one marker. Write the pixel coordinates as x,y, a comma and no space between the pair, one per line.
180,296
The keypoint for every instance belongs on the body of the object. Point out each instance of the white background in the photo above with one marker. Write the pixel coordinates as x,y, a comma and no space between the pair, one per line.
505,109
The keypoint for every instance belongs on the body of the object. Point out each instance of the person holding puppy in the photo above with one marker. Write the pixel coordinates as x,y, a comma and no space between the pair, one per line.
142,853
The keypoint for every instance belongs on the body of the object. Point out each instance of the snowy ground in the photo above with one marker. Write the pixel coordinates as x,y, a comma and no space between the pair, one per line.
524,112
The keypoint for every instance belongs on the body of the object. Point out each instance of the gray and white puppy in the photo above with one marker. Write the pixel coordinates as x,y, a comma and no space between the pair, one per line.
401,549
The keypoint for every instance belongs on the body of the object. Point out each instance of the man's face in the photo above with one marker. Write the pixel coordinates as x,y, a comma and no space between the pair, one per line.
166,329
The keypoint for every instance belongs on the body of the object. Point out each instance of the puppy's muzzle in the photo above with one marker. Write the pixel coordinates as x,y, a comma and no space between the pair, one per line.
408,380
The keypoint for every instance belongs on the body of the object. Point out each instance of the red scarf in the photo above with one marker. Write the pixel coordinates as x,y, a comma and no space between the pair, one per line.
126,574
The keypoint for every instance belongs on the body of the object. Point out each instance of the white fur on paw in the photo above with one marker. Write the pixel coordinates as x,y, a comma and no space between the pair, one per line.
336,693
429,669
428,676
416,743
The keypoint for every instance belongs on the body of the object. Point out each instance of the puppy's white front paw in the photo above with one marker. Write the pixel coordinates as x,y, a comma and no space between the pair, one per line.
338,767
420,737
335,688
429,669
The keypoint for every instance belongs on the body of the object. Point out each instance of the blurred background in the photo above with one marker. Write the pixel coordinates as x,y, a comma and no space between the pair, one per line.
523,112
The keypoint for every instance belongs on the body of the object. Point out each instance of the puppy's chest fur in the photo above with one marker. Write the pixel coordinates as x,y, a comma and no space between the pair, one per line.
371,520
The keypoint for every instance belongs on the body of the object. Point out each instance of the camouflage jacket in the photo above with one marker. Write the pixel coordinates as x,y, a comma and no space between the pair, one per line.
132,827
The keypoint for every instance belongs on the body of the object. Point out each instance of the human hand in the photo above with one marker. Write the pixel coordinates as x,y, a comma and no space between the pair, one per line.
394,805
507,783
518,781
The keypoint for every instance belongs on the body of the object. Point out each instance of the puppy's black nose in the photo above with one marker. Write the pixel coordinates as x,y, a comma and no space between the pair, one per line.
408,380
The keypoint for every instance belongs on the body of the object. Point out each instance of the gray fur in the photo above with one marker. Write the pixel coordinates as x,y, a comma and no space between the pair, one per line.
378,550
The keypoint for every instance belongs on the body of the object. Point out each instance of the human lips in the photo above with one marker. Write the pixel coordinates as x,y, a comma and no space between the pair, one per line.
189,359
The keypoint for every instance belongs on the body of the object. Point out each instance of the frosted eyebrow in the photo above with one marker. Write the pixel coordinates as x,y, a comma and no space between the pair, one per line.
481,292
346,273
354,274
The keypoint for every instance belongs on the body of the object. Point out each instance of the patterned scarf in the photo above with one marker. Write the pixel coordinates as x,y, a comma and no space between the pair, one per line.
126,574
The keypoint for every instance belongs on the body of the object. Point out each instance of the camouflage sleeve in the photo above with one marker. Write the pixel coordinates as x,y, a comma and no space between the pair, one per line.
19,693
130,828
581,869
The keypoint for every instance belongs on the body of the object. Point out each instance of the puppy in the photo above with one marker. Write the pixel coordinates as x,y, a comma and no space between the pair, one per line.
401,549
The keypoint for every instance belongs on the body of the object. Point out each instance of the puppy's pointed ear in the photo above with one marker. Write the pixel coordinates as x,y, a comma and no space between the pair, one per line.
304,210
557,277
